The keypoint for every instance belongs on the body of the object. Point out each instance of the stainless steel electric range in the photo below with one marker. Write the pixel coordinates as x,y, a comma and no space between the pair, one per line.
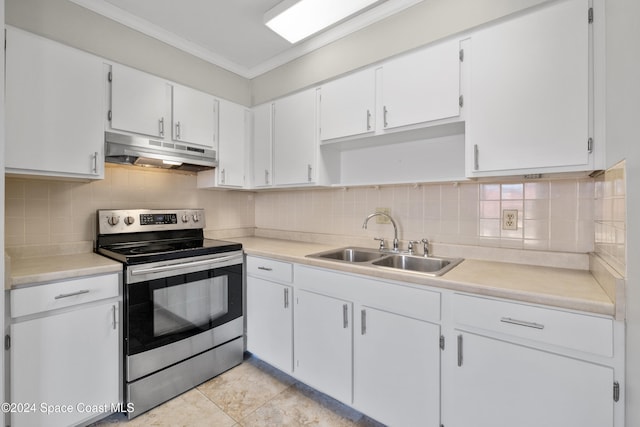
183,301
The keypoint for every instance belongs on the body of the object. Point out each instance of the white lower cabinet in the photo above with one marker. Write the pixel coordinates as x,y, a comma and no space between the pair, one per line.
397,369
323,343
501,384
65,364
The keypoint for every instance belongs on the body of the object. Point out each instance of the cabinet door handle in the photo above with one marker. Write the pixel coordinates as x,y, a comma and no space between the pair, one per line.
72,294
177,130
368,119
476,164
95,162
114,321
384,116
265,268
286,297
345,316
460,350
161,126
309,170
363,321
223,176
266,176
521,323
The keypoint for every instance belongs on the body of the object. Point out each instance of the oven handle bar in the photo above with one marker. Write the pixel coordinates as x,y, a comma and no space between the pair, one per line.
161,268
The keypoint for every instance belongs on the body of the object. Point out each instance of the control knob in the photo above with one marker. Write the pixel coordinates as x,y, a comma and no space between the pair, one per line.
129,220
196,218
113,220
185,218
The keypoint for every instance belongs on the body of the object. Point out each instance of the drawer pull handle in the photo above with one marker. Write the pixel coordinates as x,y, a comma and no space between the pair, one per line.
521,323
363,322
114,322
265,268
460,350
72,294
286,298
345,316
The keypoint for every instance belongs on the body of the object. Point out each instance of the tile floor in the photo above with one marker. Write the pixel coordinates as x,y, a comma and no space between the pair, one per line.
252,394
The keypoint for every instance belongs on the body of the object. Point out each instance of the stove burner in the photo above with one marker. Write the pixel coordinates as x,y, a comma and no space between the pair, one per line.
151,248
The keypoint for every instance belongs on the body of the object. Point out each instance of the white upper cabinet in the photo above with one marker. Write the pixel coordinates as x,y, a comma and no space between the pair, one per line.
529,106
422,86
54,108
347,105
233,123
194,116
295,139
262,146
139,102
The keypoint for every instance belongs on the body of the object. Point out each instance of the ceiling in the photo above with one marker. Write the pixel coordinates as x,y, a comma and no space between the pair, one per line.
228,33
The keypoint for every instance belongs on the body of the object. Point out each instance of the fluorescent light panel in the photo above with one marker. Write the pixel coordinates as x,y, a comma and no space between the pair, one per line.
295,20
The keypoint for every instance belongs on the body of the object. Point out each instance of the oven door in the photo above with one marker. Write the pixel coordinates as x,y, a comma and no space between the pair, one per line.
180,308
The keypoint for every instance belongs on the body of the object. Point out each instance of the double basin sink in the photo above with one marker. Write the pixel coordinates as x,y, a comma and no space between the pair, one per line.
432,266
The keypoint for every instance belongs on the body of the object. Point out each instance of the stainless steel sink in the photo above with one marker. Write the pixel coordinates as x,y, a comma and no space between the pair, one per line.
350,254
432,266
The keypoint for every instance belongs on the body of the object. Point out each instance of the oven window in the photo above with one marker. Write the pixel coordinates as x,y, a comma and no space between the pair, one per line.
169,309
183,307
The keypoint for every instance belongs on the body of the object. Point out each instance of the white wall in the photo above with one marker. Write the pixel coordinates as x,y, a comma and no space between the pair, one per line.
623,142
76,26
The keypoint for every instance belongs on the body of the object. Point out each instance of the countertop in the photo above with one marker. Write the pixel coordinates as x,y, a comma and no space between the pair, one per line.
33,270
558,287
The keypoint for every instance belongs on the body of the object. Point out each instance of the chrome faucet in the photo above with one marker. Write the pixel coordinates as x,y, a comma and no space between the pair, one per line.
395,227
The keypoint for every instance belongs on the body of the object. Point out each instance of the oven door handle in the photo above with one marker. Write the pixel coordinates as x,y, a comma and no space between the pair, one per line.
161,268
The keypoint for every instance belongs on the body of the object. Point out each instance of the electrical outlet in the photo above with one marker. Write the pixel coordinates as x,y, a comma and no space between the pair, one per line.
383,219
510,219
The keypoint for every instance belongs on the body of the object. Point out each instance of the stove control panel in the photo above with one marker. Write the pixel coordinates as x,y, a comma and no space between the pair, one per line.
138,220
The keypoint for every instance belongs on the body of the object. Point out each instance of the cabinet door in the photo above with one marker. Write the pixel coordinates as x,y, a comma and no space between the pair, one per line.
422,86
347,105
72,358
270,322
323,343
139,102
530,91
194,116
262,145
54,108
233,135
295,139
397,369
500,384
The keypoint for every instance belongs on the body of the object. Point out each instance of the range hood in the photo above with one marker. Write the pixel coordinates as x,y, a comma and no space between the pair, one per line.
141,151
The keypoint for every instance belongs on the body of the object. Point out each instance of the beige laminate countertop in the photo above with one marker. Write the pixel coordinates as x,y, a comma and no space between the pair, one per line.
27,271
565,288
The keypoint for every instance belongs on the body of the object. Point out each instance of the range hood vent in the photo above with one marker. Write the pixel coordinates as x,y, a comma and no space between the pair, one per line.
140,151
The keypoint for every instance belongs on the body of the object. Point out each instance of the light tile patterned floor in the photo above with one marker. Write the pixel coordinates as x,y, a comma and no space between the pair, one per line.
252,394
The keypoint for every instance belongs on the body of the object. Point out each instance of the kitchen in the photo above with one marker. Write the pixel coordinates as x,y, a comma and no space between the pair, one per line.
442,212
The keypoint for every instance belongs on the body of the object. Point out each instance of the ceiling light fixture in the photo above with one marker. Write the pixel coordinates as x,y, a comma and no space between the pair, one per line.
295,20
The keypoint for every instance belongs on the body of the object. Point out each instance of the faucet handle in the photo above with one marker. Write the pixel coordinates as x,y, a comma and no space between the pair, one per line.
381,239
410,245
425,242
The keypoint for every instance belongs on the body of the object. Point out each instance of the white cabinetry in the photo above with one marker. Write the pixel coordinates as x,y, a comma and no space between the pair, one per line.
262,146
139,102
422,86
323,343
529,107
65,350
347,106
233,119
270,311
529,366
194,116
54,108
295,139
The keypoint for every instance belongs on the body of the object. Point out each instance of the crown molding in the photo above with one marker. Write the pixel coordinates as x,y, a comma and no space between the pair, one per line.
304,47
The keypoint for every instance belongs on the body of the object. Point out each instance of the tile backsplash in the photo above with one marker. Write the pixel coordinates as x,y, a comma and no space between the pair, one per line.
41,212
610,217
555,215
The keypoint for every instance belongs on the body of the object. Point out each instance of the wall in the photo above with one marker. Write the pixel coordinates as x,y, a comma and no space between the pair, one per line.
416,26
623,111
552,215
40,212
76,26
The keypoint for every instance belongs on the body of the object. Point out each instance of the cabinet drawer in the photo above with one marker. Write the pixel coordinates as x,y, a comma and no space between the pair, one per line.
270,269
582,332
52,296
